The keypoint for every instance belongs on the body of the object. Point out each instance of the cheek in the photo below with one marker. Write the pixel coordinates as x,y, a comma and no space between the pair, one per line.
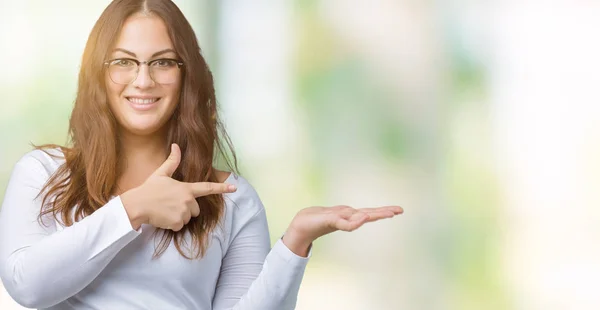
174,93
113,91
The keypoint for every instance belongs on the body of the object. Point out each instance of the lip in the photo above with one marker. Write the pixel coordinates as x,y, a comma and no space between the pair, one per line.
143,107
141,96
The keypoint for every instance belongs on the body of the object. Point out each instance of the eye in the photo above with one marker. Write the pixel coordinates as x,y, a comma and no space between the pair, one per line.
164,63
123,63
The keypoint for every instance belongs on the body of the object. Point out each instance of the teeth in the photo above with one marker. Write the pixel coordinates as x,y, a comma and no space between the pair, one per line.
142,101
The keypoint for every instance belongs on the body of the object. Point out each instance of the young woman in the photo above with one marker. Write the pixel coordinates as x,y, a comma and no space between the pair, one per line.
132,215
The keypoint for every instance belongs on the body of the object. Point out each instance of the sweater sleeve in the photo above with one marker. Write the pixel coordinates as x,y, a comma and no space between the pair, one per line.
41,265
254,278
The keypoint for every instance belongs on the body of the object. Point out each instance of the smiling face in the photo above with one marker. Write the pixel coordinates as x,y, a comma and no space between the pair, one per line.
143,106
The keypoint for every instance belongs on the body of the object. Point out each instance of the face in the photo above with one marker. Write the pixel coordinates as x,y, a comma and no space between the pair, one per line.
143,106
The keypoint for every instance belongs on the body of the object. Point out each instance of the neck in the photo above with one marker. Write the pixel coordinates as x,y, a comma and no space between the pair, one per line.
140,157
143,148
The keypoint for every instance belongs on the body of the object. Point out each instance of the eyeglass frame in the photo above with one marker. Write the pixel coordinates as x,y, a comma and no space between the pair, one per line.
107,63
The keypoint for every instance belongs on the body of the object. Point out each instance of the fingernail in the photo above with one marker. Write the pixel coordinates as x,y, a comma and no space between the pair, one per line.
231,188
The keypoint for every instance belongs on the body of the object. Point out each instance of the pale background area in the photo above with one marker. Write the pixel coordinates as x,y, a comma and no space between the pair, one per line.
481,118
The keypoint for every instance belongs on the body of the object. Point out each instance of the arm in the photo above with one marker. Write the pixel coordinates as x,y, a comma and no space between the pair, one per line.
41,266
251,279
243,285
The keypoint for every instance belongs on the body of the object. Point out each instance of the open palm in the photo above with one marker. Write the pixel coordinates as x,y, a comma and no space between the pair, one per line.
314,222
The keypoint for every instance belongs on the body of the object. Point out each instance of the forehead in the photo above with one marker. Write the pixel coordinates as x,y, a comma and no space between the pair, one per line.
144,35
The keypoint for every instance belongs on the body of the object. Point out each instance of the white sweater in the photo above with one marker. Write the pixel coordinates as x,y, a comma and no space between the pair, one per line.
101,262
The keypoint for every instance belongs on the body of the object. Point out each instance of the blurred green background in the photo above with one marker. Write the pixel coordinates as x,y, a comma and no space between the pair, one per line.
478,117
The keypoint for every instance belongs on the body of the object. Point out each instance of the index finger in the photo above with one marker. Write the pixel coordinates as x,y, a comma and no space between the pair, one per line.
209,188
395,209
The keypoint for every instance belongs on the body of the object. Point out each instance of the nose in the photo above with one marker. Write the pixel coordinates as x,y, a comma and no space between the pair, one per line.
143,79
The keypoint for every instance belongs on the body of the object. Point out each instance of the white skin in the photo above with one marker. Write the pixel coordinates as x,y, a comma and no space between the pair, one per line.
147,190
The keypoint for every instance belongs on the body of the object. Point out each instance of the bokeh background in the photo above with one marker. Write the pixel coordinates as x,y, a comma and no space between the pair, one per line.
481,118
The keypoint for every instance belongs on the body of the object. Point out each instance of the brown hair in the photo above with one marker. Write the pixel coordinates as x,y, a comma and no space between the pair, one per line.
87,179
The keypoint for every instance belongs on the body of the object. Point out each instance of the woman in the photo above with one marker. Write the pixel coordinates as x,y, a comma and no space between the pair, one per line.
109,223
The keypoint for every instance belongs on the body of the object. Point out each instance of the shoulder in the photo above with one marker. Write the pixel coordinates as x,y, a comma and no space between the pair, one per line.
44,161
244,211
246,197
222,176
33,170
243,204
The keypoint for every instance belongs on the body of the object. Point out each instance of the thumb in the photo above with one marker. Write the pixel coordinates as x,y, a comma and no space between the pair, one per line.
171,164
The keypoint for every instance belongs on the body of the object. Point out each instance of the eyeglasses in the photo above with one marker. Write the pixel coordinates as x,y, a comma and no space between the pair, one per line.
125,70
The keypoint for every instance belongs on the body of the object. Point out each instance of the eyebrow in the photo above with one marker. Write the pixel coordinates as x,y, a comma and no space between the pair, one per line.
168,50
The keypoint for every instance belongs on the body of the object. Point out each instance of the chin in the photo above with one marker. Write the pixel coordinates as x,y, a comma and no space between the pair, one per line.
142,127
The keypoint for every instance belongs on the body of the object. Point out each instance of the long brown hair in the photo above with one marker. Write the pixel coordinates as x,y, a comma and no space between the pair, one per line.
88,178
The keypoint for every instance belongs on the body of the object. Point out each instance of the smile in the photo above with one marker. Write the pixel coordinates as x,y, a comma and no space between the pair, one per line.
142,104
137,100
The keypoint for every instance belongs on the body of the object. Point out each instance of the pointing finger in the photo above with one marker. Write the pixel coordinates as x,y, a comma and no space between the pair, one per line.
208,188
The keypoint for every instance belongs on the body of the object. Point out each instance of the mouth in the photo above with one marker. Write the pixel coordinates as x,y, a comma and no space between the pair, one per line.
142,104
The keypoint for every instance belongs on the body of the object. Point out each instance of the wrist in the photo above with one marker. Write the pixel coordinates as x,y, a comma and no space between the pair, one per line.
132,205
297,243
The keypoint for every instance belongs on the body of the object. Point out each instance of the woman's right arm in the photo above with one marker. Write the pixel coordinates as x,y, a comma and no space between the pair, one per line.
42,266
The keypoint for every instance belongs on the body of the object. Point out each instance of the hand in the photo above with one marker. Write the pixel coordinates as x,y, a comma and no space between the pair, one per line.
314,222
164,202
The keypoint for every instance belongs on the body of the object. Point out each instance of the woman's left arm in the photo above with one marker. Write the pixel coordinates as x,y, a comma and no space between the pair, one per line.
251,279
